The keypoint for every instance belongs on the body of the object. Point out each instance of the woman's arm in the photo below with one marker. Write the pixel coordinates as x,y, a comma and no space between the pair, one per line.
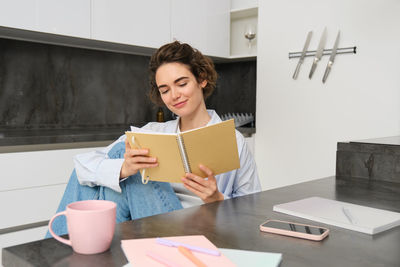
96,168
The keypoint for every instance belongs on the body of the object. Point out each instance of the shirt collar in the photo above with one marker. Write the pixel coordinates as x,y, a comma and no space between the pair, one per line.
214,119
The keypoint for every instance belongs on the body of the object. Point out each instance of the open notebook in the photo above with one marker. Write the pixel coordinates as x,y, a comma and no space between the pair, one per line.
135,251
342,214
213,146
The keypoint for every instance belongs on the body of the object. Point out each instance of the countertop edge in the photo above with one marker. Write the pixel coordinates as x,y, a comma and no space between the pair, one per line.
55,146
70,141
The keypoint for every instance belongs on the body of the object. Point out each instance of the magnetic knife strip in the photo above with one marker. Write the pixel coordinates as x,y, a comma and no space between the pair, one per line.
311,53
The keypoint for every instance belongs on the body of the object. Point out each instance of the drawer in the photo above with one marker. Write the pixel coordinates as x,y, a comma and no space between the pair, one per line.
30,205
38,168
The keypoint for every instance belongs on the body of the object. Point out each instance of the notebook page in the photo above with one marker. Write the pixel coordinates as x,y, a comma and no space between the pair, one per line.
213,146
165,148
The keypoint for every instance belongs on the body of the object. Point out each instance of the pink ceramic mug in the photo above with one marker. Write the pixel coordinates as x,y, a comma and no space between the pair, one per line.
91,225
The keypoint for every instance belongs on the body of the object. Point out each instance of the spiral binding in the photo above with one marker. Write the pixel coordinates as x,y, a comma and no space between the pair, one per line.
182,151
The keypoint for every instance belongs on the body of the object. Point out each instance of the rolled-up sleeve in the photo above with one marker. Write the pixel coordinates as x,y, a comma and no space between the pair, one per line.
96,168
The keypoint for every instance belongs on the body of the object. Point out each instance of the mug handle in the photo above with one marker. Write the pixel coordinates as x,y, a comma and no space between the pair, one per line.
62,240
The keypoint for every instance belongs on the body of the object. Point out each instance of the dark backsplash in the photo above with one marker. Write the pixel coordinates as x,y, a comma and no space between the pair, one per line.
236,88
50,86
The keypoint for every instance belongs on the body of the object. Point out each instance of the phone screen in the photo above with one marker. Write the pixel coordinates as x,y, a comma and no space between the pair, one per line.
295,227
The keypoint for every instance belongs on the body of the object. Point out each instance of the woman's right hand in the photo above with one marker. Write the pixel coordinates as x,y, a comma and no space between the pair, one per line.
136,159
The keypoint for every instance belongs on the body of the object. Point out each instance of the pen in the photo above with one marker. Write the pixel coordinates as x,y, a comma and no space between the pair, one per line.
188,254
161,260
348,215
143,171
170,243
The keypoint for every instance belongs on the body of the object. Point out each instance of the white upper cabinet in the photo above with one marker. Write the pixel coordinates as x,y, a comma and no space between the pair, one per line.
18,14
134,22
64,17
204,24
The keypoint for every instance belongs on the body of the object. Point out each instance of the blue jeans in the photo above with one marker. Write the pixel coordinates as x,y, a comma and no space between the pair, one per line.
136,200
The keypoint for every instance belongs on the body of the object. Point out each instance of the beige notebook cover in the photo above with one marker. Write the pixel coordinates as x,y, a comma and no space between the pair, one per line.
213,146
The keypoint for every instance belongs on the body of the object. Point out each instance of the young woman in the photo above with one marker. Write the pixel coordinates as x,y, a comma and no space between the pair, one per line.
181,78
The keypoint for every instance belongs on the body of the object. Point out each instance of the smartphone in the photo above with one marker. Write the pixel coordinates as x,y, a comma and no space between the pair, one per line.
305,231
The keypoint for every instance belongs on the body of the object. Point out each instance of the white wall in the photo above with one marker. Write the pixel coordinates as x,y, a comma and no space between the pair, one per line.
300,122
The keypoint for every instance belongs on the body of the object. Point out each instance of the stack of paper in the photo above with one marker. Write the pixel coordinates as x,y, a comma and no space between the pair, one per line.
246,258
137,250
342,214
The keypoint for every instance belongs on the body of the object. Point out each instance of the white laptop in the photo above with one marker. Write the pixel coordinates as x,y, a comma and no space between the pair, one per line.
341,214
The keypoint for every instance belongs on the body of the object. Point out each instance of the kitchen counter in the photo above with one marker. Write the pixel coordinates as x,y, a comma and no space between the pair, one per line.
372,159
22,140
233,223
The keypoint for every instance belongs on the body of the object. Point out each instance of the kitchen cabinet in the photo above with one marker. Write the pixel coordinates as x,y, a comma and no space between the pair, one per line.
31,187
133,22
241,20
63,17
32,184
243,4
202,24
17,14
205,24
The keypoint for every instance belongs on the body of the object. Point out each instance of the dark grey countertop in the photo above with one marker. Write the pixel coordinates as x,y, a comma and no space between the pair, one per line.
371,159
49,136
19,140
234,223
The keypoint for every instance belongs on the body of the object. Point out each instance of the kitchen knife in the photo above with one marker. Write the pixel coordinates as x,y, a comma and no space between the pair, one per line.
331,59
303,54
318,54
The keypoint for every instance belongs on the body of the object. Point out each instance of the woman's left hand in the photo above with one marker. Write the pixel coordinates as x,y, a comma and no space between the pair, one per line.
207,190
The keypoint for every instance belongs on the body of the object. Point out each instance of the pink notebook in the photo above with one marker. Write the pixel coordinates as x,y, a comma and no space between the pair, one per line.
135,250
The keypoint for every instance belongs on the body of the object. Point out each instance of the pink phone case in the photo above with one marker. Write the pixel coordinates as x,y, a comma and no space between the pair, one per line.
295,234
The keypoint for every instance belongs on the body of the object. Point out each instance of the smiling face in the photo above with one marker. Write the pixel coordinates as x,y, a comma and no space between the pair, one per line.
179,89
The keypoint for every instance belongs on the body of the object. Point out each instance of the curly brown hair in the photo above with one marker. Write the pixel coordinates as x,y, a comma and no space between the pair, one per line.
201,67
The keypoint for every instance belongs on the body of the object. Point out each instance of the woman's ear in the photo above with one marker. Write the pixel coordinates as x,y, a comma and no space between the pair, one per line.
203,84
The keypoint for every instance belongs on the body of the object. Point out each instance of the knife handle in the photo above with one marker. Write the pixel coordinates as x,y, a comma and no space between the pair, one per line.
327,70
313,67
296,72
